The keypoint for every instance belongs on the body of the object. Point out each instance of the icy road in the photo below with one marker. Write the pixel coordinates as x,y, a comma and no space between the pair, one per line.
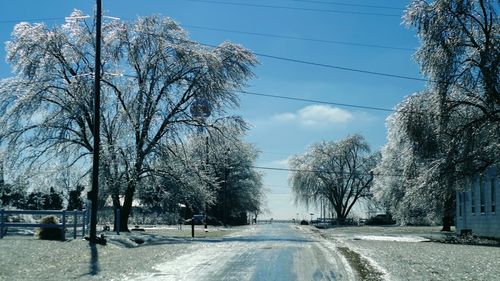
263,252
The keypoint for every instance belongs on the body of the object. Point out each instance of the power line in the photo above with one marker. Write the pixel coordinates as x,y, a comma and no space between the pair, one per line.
290,98
300,38
340,67
317,171
324,65
277,186
249,33
30,20
320,64
317,101
340,104
277,153
295,8
330,66
350,4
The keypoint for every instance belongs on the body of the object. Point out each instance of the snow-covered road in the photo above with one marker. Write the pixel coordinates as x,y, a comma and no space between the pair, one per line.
263,252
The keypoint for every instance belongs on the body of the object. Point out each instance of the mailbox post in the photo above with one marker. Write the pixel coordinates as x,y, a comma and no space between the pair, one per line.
197,218
192,227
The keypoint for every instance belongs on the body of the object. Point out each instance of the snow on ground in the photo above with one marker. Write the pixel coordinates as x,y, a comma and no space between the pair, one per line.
263,252
204,257
27,258
391,238
397,251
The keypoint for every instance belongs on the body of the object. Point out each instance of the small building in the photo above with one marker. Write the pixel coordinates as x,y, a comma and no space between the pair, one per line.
477,206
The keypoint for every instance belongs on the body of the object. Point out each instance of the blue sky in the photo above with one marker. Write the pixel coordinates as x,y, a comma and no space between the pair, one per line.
280,127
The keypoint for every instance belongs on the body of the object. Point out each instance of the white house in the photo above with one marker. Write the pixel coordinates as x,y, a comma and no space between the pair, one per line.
477,207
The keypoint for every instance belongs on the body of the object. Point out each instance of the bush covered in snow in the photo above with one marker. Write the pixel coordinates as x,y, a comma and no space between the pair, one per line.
49,233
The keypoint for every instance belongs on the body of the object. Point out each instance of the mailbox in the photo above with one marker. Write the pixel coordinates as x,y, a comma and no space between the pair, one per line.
198,218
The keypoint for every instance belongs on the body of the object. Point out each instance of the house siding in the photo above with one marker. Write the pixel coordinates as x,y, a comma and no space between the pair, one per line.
485,223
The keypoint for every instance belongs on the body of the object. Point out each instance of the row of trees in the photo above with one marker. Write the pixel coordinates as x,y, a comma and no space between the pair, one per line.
17,197
152,75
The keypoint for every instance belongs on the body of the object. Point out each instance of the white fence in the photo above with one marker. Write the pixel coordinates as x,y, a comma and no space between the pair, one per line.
64,217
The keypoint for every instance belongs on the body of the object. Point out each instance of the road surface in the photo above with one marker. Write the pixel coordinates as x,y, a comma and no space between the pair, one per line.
260,253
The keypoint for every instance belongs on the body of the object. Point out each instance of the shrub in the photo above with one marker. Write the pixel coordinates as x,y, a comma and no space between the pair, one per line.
46,233
304,222
381,219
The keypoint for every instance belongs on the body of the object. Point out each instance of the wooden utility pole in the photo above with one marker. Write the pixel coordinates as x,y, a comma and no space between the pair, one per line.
97,102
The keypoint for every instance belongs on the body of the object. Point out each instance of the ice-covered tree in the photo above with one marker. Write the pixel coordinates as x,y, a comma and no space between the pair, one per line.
412,144
212,173
460,48
451,130
75,200
179,178
425,162
151,73
339,172
227,158
460,54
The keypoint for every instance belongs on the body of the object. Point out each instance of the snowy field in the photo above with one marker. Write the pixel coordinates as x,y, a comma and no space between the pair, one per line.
399,253
27,258
406,253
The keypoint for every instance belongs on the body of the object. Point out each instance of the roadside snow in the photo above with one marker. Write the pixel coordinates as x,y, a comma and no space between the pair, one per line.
409,239
27,258
403,258
208,258
330,250
264,252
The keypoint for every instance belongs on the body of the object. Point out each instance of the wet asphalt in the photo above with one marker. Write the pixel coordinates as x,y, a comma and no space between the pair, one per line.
263,252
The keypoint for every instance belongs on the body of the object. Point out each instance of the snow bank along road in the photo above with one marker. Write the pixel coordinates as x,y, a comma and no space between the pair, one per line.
263,252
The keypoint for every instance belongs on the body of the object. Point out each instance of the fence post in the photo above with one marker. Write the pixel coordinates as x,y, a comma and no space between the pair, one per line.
84,222
1,223
117,223
75,220
63,233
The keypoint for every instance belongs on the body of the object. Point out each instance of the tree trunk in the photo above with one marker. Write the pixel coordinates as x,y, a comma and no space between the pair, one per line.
127,205
340,215
116,206
448,214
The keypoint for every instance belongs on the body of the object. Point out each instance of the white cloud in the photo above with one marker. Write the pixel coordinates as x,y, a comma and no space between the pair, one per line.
323,115
316,116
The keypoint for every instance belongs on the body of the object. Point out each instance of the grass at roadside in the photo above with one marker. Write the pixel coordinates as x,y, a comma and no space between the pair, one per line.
411,259
27,258
363,269
165,235
185,232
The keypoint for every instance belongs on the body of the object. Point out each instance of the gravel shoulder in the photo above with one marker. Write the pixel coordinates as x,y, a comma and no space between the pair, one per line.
408,253
27,258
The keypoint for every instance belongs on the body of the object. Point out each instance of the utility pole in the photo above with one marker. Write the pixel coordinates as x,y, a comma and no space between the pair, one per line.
201,110
1,171
97,104
206,166
226,176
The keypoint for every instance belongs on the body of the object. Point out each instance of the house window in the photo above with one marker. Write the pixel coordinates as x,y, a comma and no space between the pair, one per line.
481,194
473,199
460,204
493,195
